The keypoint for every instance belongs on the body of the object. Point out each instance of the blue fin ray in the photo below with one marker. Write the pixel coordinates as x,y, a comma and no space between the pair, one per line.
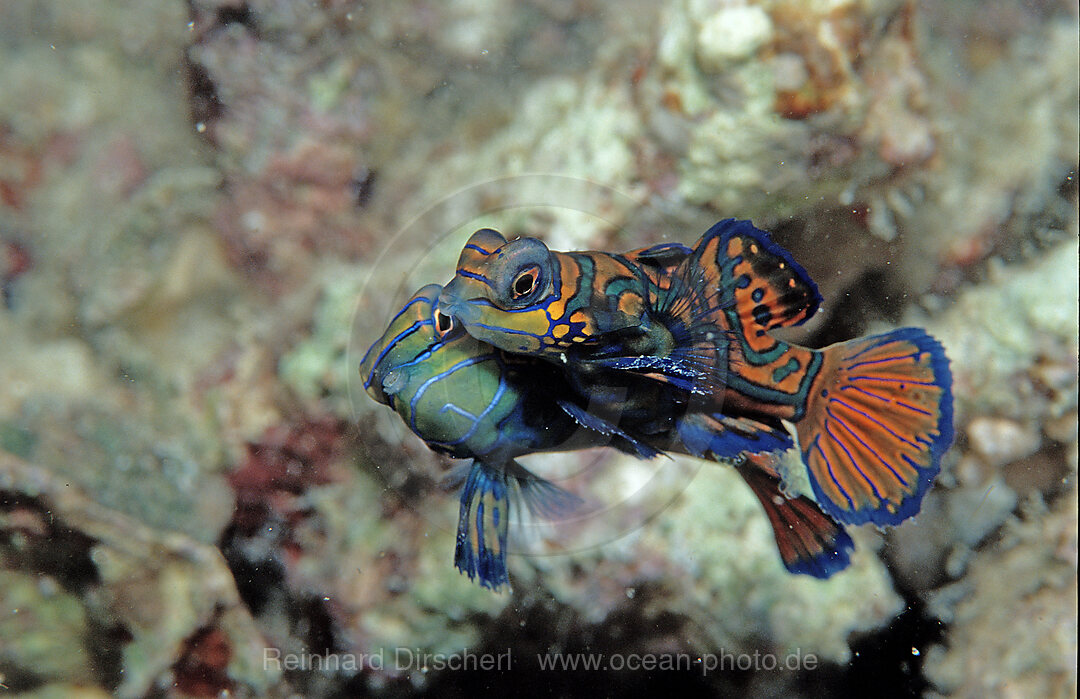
723,437
483,525
602,426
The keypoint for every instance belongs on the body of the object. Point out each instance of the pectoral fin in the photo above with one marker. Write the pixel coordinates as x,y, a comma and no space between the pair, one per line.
599,424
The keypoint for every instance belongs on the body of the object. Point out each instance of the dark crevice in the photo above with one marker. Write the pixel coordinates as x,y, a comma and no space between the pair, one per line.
874,295
882,663
46,546
315,626
259,581
889,662
241,14
35,542
362,186
205,106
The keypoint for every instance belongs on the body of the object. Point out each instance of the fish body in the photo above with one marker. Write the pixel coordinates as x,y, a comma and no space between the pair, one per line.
470,400
591,310
871,416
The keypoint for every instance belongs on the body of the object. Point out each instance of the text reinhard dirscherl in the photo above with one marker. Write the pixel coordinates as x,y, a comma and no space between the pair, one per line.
409,659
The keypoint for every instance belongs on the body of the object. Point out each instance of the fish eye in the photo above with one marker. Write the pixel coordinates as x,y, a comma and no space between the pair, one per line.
525,282
443,322
522,273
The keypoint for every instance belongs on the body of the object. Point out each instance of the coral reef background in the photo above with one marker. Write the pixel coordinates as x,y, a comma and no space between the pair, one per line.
208,208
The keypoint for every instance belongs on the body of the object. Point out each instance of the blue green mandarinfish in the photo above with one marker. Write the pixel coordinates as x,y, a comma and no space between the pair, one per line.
872,415
467,399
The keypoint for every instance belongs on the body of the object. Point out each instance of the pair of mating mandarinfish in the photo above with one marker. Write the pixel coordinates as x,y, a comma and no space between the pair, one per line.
661,349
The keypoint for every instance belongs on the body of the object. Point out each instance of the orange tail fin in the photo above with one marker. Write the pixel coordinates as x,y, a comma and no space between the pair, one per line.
878,419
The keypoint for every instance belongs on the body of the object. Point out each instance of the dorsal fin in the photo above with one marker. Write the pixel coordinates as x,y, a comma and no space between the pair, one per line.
662,256
757,280
734,285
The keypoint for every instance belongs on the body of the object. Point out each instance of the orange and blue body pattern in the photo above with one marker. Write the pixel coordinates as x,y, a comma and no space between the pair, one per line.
469,400
587,310
872,416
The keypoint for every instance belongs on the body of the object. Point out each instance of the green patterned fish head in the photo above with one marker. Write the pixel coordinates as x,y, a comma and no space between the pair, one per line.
449,389
411,333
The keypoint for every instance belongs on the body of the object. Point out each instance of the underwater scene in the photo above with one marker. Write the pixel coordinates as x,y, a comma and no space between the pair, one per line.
549,348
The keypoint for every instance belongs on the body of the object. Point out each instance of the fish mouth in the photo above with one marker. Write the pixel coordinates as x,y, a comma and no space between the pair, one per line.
376,396
453,306
369,371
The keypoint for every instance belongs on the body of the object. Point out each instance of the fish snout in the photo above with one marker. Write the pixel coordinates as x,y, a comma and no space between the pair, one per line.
373,390
451,304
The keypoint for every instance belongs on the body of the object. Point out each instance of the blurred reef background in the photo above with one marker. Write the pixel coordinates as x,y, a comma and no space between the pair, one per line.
208,209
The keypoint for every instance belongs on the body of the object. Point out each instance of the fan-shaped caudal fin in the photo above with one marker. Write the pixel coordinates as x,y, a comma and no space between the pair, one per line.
809,541
483,525
878,419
